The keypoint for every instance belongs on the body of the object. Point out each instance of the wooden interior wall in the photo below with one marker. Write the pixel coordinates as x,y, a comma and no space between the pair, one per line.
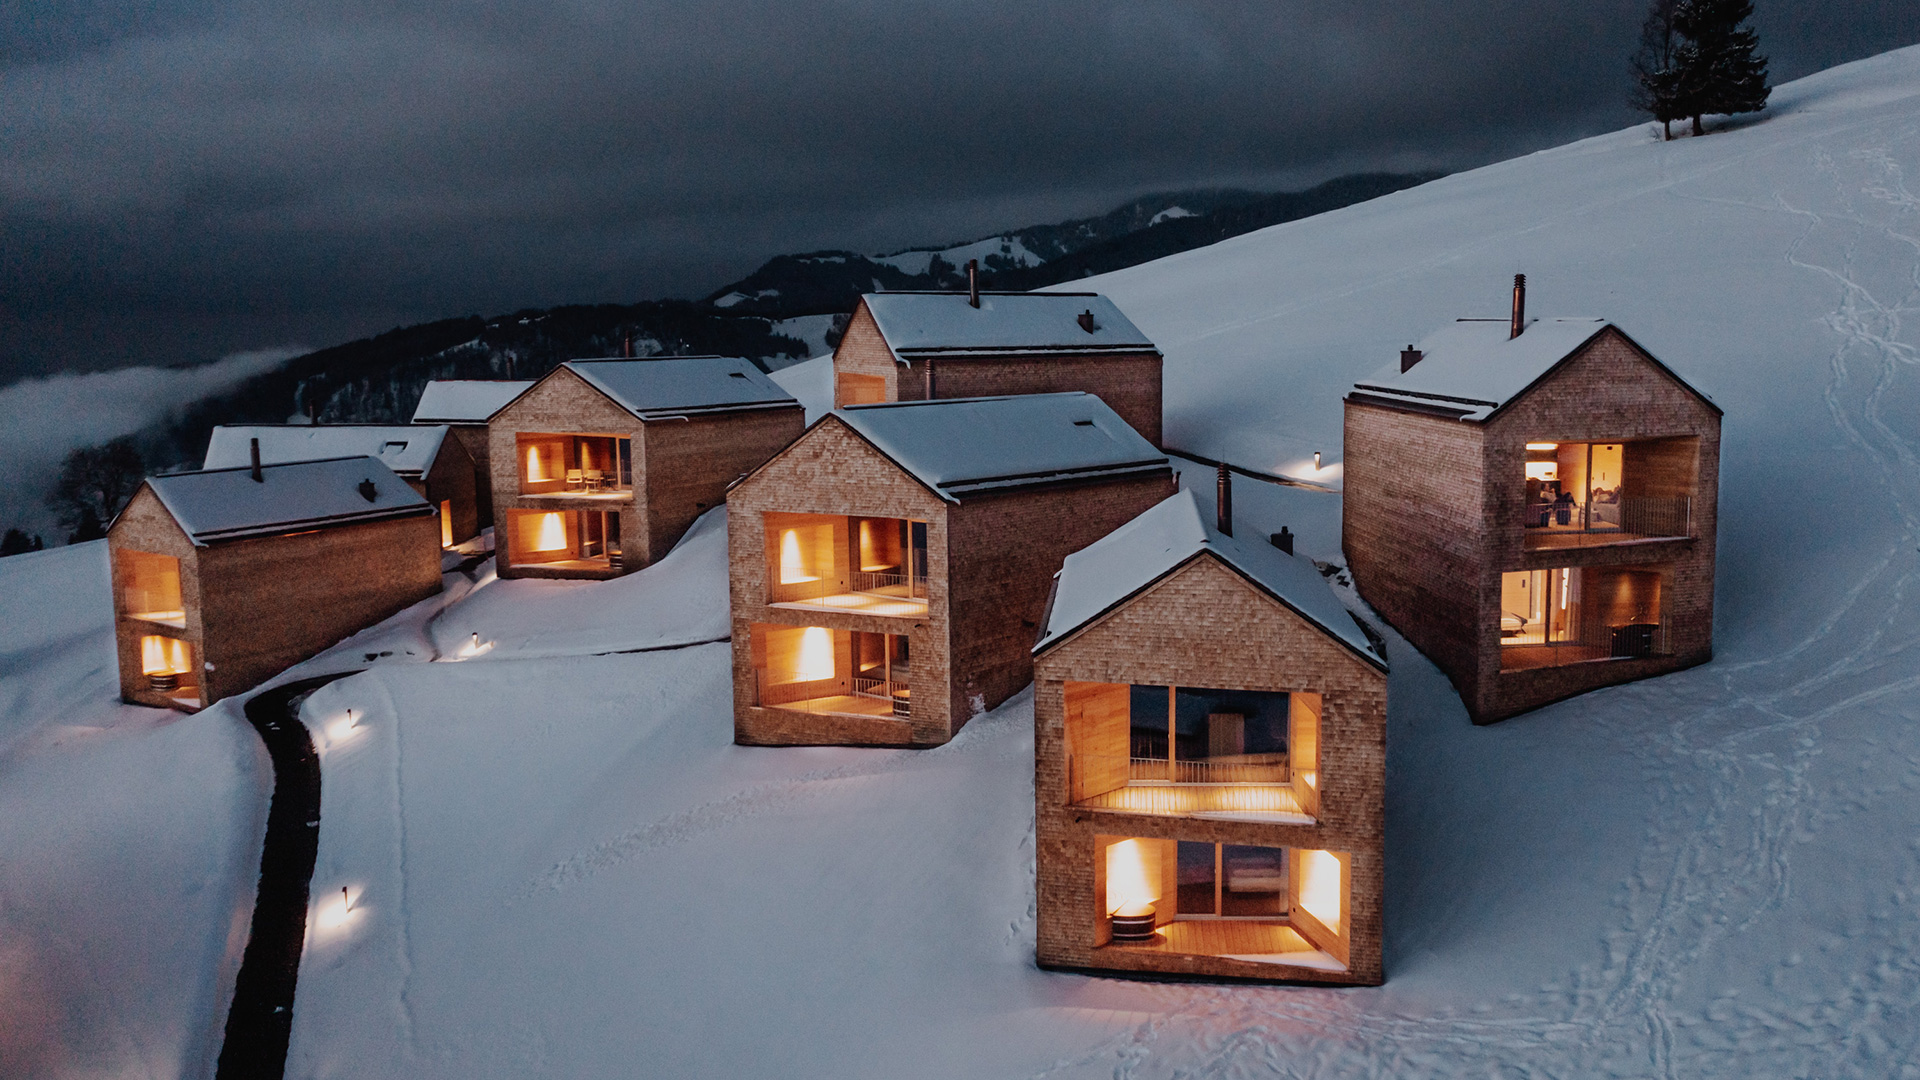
1303,748
823,547
1097,737
777,654
1621,596
1333,940
1661,468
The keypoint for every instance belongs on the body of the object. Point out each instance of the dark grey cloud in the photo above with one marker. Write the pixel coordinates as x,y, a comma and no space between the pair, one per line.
182,180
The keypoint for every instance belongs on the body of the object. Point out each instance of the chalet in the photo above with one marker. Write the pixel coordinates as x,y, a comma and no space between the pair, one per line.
226,577
601,466
917,346
1209,762
888,569
426,457
1532,503
465,406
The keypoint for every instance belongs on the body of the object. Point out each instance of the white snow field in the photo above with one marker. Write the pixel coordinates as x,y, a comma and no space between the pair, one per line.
558,865
129,844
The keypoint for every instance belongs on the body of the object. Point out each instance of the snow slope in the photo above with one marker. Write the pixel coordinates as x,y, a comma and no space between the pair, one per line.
129,844
560,865
1712,873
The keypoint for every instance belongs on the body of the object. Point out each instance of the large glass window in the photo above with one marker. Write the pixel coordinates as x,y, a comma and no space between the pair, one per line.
873,565
1585,492
822,670
1575,614
564,539
150,587
168,663
851,389
1246,754
574,464
1261,903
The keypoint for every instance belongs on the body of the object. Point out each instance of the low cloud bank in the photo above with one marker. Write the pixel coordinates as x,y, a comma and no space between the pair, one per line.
43,420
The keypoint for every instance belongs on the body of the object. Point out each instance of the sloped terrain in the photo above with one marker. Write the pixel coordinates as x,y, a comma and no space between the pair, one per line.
560,865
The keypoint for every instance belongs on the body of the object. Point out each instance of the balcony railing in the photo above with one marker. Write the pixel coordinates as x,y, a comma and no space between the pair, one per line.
863,591
1648,516
1240,769
868,697
1247,788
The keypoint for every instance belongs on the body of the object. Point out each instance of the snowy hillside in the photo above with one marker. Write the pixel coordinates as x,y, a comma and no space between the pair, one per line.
562,867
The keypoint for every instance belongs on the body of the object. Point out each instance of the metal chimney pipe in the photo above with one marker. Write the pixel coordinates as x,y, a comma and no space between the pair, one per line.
1223,499
1519,306
1409,356
973,282
1283,539
254,446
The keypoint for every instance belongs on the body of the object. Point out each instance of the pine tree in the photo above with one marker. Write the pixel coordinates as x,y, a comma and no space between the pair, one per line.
1720,69
1656,67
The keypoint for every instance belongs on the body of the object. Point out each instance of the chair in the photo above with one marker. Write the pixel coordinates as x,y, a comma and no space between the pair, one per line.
575,479
596,479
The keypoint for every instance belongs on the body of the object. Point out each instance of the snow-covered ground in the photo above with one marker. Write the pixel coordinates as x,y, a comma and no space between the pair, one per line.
560,866
129,844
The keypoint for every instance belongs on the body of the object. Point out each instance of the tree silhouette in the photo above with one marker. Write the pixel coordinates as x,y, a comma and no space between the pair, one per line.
1720,69
1656,67
95,482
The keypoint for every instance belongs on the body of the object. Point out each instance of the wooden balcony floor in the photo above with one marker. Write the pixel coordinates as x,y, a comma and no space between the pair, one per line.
1237,939
841,705
1238,802
860,603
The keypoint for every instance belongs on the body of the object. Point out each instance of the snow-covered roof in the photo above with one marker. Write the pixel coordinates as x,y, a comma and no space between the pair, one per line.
227,504
682,384
407,449
1472,368
1102,576
466,401
944,324
957,446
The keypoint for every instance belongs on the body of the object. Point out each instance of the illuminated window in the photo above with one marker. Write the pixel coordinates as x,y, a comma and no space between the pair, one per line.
564,539
446,523
851,389
877,566
150,587
580,465
169,667
821,670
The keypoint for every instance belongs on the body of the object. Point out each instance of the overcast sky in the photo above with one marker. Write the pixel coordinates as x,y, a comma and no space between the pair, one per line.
180,179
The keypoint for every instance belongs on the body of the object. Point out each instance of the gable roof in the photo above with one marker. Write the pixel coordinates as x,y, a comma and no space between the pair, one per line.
228,504
1109,572
466,401
959,446
944,324
676,385
407,449
1472,369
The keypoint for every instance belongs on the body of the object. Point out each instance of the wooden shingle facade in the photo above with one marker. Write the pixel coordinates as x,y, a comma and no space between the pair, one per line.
888,570
1209,763
224,578
1534,505
922,346
600,467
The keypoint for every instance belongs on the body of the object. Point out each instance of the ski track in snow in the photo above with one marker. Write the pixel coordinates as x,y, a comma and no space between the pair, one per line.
981,734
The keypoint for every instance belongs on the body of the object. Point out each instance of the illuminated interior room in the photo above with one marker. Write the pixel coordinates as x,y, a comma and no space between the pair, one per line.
1244,755
1594,492
1262,904
1580,614
169,667
815,669
584,466
869,565
564,539
150,587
